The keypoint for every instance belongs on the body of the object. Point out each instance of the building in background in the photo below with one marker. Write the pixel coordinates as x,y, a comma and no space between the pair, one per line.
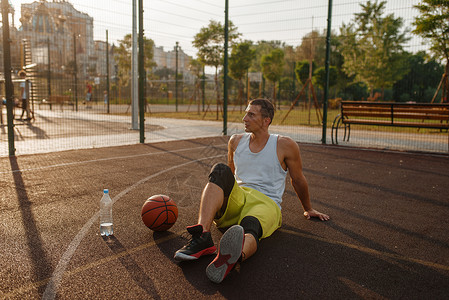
167,60
57,27
53,35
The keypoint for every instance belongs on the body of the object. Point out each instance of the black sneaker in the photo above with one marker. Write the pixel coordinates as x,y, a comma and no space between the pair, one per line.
200,244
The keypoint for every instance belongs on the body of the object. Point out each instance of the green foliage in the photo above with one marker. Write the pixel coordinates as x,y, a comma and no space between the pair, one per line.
302,70
263,48
354,91
433,25
210,42
423,74
240,60
287,88
242,55
319,76
123,57
164,73
372,47
313,45
272,65
196,67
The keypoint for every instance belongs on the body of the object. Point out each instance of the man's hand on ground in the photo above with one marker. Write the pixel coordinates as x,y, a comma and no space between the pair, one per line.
316,214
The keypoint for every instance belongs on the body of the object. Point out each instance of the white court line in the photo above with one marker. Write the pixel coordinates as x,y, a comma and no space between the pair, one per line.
55,281
106,159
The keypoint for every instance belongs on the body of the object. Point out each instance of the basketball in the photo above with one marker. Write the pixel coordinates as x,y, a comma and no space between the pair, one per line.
159,213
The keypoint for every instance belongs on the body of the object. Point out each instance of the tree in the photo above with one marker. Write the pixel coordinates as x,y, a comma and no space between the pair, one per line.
372,47
263,48
354,91
196,67
288,85
433,26
164,73
210,44
337,60
272,67
123,52
313,46
240,60
302,70
420,82
319,77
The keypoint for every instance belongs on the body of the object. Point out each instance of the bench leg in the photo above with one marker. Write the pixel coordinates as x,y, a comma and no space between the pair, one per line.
336,131
332,134
338,122
335,124
347,132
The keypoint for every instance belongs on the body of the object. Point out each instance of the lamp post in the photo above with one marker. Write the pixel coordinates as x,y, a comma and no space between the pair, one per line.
48,69
176,76
75,70
107,71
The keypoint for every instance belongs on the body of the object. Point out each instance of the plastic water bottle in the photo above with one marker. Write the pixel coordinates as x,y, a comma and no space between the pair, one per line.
106,227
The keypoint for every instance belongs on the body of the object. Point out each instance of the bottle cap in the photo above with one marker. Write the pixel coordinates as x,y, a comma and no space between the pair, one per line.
106,191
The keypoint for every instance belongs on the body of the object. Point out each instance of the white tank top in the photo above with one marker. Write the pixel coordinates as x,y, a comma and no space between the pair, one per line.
260,171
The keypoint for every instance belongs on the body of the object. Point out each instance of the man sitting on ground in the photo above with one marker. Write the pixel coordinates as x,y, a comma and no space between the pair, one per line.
247,193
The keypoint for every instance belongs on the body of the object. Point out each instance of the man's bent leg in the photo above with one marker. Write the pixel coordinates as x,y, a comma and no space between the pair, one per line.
253,232
229,252
237,244
215,194
213,200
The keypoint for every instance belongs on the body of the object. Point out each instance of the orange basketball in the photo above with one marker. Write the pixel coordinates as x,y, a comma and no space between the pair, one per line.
159,213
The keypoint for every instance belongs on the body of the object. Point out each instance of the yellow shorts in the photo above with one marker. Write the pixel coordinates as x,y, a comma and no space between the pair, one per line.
244,201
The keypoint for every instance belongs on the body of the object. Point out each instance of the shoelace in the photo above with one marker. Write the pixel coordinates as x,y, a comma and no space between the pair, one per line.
193,238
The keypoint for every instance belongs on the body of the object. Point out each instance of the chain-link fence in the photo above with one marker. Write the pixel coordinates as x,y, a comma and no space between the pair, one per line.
77,56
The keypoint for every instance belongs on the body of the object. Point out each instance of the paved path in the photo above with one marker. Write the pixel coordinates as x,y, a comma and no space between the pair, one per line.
57,130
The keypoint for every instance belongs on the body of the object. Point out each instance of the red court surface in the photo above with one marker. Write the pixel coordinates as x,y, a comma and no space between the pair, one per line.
387,237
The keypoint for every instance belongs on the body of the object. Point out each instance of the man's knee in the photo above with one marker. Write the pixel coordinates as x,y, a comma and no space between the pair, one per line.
252,226
221,175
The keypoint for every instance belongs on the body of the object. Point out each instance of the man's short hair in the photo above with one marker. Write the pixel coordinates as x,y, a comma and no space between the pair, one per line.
22,73
266,107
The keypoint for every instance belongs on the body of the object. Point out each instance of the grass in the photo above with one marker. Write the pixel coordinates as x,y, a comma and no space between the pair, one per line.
295,117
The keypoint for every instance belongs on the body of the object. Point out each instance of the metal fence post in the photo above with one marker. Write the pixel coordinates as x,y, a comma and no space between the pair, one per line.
141,66
225,72
326,89
9,88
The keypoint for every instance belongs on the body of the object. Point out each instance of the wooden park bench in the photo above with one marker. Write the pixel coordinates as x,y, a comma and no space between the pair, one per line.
416,115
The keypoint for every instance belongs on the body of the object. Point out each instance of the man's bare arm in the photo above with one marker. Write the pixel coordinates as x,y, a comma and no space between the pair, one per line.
292,159
232,145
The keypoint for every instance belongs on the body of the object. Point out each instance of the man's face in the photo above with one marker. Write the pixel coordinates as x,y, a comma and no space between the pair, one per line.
253,119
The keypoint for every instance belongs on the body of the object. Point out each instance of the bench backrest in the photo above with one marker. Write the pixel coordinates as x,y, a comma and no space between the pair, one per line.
395,114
